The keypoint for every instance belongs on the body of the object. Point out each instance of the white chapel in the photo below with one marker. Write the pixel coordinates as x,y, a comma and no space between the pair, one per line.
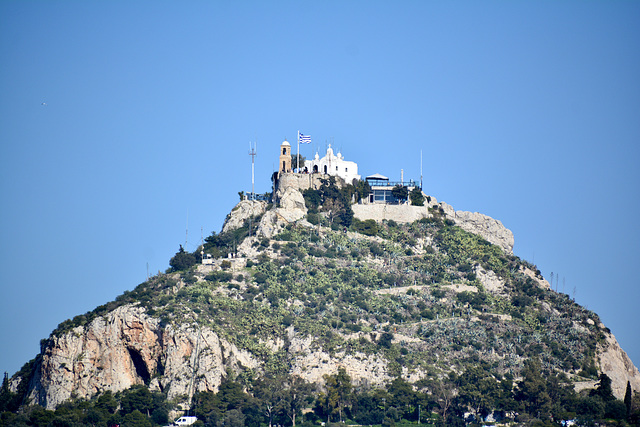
332,164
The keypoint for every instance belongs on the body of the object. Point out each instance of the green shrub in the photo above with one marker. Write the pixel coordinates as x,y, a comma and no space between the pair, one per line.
313,218
416,196
260,277
182,260
367,227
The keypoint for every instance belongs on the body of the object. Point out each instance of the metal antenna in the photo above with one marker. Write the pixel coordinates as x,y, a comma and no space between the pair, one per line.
186,238
253,153
420,169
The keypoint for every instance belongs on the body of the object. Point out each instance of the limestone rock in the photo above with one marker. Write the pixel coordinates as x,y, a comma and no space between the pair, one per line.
269,224
242,211
489,280
543,283
292,200
127,347
311,364
616,364
291,209
486,227
113,352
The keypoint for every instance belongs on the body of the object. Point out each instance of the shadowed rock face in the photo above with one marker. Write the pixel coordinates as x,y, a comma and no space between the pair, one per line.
127,347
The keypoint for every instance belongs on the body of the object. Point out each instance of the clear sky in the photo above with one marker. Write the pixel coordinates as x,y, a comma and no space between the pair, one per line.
123,122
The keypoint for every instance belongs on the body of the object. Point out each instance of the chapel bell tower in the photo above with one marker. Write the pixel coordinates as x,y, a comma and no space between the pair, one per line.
285,157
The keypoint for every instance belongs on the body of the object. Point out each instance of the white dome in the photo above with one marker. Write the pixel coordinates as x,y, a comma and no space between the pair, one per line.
286,143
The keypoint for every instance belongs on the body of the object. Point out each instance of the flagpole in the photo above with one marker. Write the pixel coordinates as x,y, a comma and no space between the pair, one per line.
298,161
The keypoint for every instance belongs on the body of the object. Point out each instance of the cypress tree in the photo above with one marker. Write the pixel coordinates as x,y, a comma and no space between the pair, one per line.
627,398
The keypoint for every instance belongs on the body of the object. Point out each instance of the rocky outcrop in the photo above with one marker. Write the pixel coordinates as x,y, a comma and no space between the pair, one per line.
127,347
311,363
615,362
292,201
486,227
243,211
291,207
111,353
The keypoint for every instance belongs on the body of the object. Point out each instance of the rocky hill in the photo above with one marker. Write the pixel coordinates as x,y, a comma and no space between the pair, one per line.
314,284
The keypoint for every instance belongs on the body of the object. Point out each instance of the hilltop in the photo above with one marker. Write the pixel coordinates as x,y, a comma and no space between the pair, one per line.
318,289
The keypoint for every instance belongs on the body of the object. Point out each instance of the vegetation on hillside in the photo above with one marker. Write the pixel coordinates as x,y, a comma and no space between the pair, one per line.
538,398
410,294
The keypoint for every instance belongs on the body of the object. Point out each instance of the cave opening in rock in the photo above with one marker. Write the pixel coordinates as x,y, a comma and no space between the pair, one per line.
141,367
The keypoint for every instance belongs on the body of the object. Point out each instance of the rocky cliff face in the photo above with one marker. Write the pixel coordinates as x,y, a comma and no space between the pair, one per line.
128,347
615,362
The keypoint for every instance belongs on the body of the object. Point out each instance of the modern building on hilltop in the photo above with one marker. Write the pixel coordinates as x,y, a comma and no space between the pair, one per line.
382,188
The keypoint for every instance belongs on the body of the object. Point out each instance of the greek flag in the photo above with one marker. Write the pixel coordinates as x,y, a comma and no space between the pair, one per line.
305,139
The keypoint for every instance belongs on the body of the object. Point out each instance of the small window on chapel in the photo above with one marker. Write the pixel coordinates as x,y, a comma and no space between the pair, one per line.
346,169
336,169
284,151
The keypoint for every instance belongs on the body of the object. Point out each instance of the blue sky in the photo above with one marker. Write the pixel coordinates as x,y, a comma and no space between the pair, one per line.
122,122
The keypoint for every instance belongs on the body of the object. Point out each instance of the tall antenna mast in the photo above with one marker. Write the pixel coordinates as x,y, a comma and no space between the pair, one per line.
186,238
253,153
420,169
